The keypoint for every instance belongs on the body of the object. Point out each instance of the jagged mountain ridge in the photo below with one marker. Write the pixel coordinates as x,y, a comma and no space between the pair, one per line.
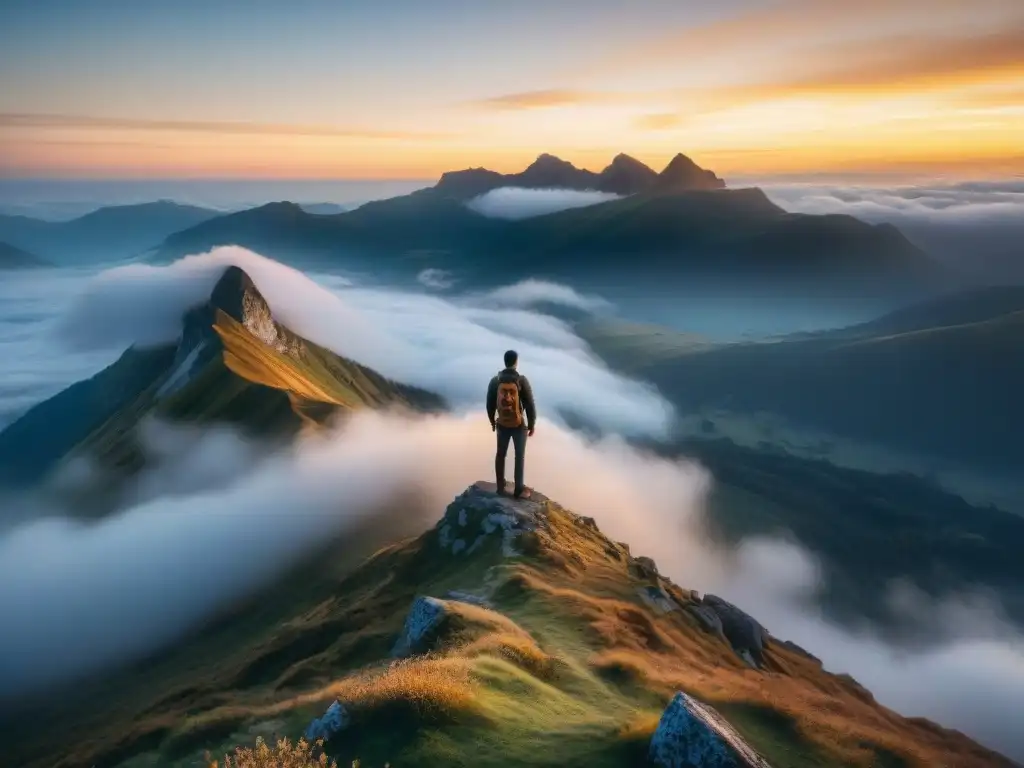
625,175
233,363
509,633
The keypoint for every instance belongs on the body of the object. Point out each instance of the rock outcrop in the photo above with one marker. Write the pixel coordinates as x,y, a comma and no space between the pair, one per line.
693,735
746,635
480,515
422,626
334,720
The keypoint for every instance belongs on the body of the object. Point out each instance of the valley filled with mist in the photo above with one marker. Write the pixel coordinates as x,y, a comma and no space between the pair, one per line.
805,400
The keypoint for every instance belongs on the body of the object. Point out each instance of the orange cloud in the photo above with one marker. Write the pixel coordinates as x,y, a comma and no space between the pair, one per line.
658,121
20,120
551,97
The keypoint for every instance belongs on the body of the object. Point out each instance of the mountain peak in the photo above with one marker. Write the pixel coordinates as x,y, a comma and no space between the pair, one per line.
551,172
683,174
626,175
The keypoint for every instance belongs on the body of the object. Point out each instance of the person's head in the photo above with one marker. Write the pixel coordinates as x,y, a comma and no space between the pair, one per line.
511,358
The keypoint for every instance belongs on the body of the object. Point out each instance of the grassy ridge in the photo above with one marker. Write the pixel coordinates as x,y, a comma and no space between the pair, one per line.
569,668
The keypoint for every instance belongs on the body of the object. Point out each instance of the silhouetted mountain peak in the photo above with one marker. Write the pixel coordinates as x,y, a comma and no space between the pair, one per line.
683,173
553,172
626,175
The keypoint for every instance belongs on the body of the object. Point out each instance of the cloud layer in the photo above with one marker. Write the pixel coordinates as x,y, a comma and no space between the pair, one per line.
975,227
518,203
209,501
450,347
968,203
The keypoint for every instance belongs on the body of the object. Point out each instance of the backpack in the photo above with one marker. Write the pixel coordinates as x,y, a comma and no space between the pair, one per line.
510,412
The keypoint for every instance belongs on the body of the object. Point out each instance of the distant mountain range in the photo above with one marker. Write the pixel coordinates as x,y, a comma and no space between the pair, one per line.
108,234
624,176
12,257
941,379
681,222
233,363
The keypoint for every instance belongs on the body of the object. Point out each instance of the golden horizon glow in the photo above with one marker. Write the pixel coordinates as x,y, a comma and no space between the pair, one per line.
800,87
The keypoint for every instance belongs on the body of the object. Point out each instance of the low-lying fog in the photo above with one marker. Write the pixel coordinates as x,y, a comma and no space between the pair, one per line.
77,598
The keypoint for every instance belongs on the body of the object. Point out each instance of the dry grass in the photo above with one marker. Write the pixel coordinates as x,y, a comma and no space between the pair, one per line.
283,755
661,655
517,647
428,689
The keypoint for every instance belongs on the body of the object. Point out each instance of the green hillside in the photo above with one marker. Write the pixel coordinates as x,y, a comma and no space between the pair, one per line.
546,644
942,379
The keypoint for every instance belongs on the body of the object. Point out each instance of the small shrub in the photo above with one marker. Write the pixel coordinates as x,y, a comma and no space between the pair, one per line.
284,755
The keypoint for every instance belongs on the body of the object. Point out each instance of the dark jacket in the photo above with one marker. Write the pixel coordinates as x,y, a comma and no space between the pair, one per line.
525,396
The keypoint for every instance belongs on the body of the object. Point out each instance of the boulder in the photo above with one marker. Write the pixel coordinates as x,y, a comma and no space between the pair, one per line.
422,625
587,522
658,599
479,513
708,619
645,567
743,632
335,719
693,735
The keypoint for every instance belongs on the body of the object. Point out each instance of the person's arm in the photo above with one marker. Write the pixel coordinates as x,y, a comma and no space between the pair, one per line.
526,394
492,400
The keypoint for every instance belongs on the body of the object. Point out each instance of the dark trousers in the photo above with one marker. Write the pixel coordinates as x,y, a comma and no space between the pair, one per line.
518,437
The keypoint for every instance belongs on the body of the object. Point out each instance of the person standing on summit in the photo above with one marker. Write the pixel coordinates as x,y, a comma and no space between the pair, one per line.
509,396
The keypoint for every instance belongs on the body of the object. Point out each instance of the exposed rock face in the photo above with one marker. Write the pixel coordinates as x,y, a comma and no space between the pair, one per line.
648,565
335,719
693,735
425,619
236,295
708,619
658,599
480,513
743,632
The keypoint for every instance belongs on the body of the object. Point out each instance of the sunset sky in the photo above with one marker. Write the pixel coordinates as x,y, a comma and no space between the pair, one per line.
410,88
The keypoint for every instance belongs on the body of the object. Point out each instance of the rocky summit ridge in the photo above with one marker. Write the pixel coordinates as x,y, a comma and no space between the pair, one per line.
512,632
523,542
625,175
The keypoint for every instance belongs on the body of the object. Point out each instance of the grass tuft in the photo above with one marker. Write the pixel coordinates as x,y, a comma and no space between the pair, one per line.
283,755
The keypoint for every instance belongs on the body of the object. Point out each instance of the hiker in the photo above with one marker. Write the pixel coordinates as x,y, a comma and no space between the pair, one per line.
508,397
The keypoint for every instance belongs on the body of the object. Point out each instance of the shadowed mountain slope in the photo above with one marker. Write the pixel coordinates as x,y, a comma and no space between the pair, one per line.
941,379
107,234
12,257
681,223
233,363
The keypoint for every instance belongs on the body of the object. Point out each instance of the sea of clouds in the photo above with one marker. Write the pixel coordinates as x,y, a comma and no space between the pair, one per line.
215,518
521,203
975,227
